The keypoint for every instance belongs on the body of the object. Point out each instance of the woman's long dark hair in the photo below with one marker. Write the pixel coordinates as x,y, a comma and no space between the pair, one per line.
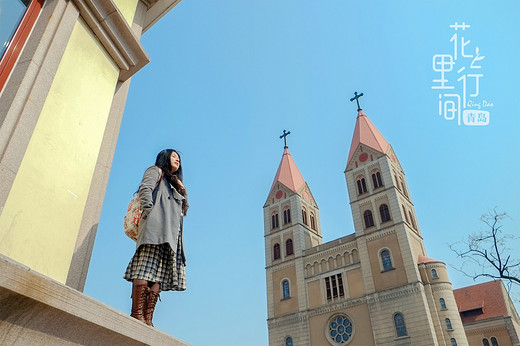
163,161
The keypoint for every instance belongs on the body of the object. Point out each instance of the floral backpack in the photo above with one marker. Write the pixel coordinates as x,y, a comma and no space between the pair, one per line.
133,215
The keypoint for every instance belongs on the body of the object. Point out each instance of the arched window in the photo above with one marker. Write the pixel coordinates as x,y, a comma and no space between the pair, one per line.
376,180
494,341
355,256
448,323
369,220
400,327
274,221
288,341
485,342
404,188
384,212
288,247
304,216
361,185
276,251
386,260
397,182
286,216
313,221
285,289
412,219
443,303
405,214
453,342
434,274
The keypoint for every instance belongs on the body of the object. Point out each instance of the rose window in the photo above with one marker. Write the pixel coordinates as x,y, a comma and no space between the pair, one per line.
340,329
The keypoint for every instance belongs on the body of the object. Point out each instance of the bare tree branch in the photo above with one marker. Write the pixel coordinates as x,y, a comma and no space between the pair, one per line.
488,251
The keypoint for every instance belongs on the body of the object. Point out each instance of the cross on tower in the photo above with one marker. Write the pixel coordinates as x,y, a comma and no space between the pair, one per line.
356,97
284,136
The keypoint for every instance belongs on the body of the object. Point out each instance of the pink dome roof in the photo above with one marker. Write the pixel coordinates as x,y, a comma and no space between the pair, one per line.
288,174
366,133
423,260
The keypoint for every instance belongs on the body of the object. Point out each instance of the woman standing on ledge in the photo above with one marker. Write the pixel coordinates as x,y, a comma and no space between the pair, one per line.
159,261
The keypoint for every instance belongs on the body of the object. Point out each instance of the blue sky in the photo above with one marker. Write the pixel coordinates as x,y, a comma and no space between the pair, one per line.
227,77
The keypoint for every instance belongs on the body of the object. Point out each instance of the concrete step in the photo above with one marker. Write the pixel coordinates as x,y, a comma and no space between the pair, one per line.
37,310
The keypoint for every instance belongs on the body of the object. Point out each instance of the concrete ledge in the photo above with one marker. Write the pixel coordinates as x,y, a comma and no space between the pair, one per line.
36,310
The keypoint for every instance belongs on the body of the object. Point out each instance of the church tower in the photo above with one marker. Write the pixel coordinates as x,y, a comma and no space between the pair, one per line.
291,225
373,287
391,249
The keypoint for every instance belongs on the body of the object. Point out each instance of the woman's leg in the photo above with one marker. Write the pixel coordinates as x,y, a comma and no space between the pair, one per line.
153,296
139,296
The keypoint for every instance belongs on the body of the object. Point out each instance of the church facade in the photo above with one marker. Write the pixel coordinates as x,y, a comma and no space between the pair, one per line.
373,287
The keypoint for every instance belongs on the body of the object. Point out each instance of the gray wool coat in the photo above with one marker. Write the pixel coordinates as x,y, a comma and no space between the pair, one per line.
161,221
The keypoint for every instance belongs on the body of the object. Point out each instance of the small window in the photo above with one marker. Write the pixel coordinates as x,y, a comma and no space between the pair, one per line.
276,251
376,180
453,342
285,289
274,221
443,303
494,341
334,286
405,214
412,220
386,260
397,182
288,341
362,186
369,220
304,216
289,247
313,221
286,216
434,274
404,188
448,324
485,342
400,327
384,212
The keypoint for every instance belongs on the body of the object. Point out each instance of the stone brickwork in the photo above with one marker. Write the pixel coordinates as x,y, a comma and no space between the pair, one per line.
367,290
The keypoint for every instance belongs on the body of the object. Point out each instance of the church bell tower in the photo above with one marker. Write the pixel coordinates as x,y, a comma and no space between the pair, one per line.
291,225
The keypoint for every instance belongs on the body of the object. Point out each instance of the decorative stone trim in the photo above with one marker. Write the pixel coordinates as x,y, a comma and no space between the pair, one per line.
372,166
318,250
442,286
323,274
283,265
300,318
337,306
380,197
335,250
489,330
114,33
380,235
400,293
365,204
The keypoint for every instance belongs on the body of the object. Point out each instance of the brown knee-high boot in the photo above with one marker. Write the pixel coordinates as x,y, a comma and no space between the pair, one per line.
139,297
150,306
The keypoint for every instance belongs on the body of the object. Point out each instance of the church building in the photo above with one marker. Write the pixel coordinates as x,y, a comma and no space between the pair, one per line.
373,287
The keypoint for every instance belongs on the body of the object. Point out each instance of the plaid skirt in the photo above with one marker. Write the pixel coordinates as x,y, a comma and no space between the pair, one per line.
158,263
